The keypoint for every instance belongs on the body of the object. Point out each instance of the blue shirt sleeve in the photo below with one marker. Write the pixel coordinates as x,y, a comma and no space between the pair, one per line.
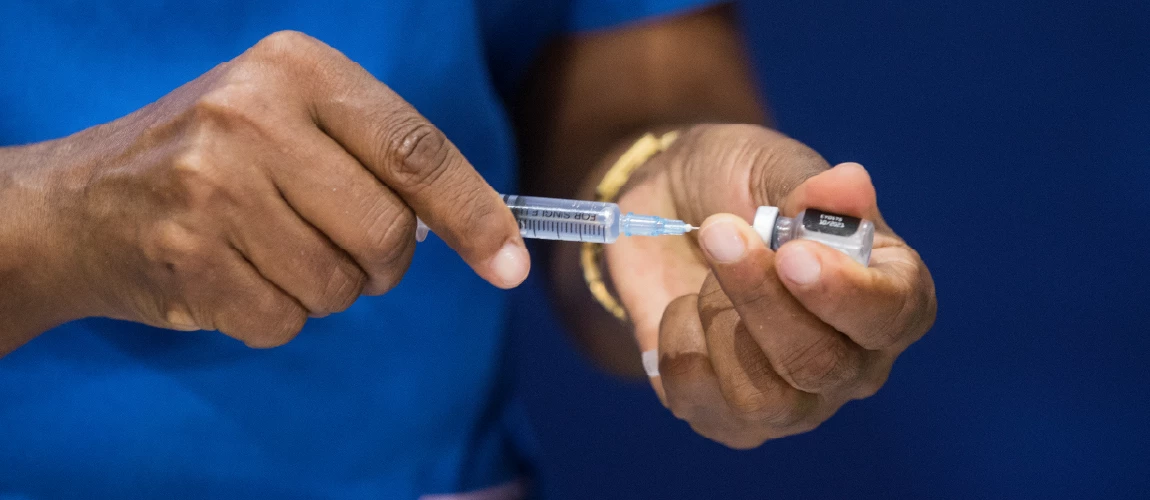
588,15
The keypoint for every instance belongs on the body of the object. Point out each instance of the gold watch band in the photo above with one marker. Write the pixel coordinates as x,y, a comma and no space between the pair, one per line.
616,177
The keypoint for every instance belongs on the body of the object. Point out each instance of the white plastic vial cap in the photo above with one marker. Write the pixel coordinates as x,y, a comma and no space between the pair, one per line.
765,222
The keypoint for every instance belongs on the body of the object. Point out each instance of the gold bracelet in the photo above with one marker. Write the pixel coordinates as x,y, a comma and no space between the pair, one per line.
607,191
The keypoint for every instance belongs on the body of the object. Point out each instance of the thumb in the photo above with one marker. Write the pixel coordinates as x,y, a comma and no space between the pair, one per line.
845,189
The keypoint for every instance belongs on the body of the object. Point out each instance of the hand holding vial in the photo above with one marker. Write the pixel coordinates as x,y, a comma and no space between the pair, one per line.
762,324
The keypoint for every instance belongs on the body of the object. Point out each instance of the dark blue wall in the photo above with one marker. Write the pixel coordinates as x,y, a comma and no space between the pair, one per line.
1010,144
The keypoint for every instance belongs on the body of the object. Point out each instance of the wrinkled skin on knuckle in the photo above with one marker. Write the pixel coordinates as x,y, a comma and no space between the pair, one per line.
763,400
341,290
481,216
420,151
392,248
821,366
384,219
895,331
750,404
889,332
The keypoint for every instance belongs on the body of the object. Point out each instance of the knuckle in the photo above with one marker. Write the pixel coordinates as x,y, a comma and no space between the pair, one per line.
479,212
286,43
891,327
753,293
751,405
884,335
389,246
820,366
237,105
388,232
421,152
391,274
198,183
341,290
771,404
917,308
222,104
177,250
278,324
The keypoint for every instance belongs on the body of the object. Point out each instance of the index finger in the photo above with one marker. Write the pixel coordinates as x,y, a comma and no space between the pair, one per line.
888,304
417,161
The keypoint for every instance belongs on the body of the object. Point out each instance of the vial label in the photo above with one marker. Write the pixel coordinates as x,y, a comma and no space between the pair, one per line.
828,223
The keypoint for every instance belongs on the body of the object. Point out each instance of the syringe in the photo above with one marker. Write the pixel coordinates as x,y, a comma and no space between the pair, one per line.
599,222
578,220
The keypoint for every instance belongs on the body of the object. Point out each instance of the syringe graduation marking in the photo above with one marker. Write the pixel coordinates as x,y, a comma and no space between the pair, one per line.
578,220
569,220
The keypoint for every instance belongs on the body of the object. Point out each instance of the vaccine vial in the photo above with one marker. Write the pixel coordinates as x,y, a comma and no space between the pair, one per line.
850,235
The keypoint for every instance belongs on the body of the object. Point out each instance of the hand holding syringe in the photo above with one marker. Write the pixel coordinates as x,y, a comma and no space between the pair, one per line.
601,222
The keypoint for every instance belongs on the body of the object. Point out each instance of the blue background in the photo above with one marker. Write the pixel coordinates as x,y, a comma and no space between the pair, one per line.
1009,142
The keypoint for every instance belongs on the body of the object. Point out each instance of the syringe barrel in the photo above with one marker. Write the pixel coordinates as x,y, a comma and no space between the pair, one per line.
566,220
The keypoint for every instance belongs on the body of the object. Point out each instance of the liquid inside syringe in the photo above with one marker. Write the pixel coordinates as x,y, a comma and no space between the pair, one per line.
579,220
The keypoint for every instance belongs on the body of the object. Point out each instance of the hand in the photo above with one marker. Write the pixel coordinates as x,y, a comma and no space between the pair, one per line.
755,344
277,186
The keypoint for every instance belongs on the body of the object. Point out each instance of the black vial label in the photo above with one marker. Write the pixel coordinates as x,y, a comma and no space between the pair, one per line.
828,223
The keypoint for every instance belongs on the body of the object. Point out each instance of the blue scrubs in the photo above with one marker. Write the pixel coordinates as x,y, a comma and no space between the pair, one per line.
403,395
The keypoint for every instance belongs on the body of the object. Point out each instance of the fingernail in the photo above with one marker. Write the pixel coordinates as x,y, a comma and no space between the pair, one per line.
180,320
511,264
651,362
723,242
799,265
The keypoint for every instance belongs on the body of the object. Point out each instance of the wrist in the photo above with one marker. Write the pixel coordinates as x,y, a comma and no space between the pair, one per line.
40,190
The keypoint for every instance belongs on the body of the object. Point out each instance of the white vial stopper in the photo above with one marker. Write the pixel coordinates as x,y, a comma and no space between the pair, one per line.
764,223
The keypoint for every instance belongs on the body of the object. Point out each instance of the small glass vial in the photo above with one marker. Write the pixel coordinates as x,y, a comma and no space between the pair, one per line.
850,235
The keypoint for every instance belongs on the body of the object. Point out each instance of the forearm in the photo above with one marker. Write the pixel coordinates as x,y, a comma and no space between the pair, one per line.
32,276
587,104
